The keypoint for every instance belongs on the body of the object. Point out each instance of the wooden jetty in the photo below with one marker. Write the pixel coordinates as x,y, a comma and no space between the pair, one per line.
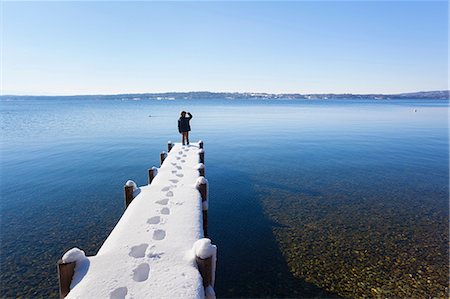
159,247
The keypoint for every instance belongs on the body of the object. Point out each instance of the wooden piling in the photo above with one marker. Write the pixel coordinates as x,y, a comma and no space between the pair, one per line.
200,144
169,146
201,169
128,195
202,156
205,269
151,174
163,157
203,189
205,223
65,275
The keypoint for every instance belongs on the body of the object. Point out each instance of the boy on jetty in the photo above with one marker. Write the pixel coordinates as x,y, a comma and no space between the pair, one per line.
184,127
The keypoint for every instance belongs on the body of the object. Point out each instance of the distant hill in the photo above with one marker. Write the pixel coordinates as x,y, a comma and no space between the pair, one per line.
443,94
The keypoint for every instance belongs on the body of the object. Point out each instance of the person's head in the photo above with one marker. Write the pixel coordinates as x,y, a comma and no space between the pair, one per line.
183,113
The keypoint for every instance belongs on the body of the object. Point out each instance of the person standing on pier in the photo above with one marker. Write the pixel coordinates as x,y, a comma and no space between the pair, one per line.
184,127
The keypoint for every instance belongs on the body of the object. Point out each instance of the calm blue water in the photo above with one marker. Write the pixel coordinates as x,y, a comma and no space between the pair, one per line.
64,162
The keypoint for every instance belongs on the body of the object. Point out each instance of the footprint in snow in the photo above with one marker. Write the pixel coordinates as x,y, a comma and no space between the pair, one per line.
179,167
182,161
169,194
165,211
119,293
173,163
185,156
174,171
159,234
154,220
180,175
186,150
173,181
178,158
167,188
180,152
141,272
163,201
138,251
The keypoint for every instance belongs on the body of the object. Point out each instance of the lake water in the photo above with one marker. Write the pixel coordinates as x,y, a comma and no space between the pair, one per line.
307,198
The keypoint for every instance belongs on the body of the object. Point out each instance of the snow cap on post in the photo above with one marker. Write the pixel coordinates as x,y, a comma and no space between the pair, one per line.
204,249
152,172
201,181
201,169
131,183
74,255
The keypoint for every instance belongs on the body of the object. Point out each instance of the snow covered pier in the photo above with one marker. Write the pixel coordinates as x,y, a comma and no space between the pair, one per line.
157,249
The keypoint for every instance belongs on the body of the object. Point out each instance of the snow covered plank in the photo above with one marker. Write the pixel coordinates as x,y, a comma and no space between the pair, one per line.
149,253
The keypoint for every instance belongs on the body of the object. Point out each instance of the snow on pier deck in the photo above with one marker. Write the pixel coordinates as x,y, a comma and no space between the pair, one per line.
149,253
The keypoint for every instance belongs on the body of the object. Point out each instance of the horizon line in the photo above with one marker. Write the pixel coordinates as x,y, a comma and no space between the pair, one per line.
216,92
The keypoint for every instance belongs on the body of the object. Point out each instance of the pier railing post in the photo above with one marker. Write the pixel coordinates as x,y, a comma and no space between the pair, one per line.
201,154
151,174
202,187
169,146
129,189
65,275
200,144
163,157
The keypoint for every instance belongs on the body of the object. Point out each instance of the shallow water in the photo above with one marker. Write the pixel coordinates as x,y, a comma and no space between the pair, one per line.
351,196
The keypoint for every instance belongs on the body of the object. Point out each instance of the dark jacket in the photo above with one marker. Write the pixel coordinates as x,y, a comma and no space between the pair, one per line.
183,123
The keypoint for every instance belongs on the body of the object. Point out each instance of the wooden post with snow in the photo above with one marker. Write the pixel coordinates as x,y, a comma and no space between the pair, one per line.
162,156
201,154
73,258
201,169
169,146
202,187
151,174
200,144
65,275
206,257
129,189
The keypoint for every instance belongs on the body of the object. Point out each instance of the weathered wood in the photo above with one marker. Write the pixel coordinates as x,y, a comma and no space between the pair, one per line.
169,146
205,269
205,223
202,156
163,157
201,171
203,189
151,174
128,190
200,145
65,275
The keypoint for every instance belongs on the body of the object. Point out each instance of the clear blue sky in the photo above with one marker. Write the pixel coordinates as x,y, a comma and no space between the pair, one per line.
278,47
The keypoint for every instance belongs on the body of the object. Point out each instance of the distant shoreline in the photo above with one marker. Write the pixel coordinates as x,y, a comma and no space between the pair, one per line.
199,95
